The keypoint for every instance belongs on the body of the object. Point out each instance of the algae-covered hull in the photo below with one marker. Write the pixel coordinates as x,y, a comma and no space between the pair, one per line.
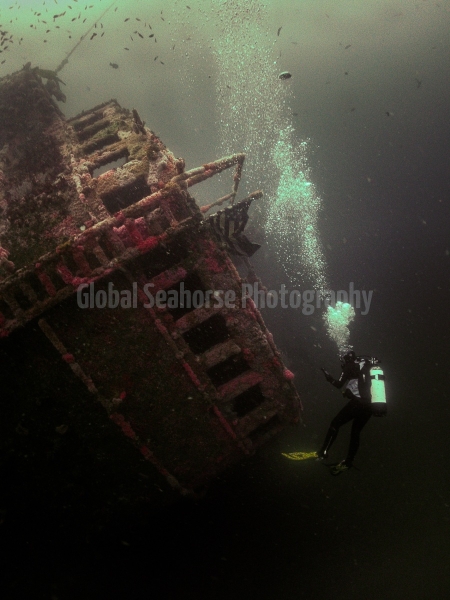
92,366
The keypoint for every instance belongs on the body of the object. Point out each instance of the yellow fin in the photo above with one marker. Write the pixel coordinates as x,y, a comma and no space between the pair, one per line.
300,455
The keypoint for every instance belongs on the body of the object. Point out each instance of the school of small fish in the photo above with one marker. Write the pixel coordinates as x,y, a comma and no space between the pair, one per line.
46,21
62,16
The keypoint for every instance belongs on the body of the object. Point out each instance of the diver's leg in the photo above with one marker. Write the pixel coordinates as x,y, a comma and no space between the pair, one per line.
358,423
344,416
329,439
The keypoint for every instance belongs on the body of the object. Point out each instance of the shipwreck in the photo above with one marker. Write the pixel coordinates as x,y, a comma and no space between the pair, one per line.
98,203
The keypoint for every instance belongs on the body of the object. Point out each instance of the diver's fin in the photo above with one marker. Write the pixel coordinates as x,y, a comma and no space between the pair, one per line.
339,468
300,455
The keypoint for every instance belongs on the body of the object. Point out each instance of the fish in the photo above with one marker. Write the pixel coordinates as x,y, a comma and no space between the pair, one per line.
284,75
279,29
347,46
114,65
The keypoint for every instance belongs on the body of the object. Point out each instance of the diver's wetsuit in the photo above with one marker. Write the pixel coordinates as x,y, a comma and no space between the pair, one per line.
356,376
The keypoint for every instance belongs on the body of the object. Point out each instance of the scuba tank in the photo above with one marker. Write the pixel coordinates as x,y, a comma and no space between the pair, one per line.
379,408
377,388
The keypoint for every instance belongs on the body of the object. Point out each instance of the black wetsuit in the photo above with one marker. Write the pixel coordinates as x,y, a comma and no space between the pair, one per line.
356,375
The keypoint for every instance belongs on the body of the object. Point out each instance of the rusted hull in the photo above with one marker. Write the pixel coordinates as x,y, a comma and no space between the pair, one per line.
192,388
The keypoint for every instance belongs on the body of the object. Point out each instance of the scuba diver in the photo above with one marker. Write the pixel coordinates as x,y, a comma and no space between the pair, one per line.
364,386
356,378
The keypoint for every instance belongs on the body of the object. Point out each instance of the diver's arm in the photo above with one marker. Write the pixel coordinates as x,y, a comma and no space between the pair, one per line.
338,383
341,381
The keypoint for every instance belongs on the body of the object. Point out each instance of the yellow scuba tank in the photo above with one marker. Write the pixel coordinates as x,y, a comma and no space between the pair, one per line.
378,390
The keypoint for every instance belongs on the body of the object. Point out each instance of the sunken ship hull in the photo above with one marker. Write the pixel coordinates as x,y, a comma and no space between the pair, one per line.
95,375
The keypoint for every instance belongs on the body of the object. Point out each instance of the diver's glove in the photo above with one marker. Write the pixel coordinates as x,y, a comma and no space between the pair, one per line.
328,377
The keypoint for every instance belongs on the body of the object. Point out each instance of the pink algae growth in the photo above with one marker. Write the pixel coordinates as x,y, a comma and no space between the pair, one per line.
66,228
210,257
275,362
224,422
122,232
146,452
46,282
169,278
289,375
148,455
64,273
213,264
120,218
141,227
191,374
148,244
133,232
124,425
248,354
80,259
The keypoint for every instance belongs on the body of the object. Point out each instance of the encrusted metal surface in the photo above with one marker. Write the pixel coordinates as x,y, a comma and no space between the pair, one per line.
193,388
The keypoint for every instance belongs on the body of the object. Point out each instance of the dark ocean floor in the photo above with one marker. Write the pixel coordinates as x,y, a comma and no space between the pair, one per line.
269,528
